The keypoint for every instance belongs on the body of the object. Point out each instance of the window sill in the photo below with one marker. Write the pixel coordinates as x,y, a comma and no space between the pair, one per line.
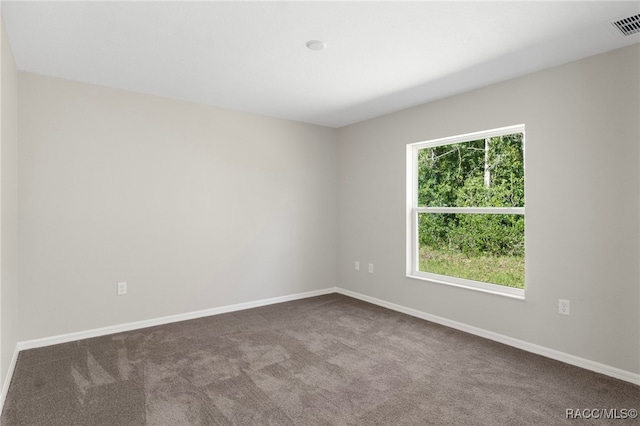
510,292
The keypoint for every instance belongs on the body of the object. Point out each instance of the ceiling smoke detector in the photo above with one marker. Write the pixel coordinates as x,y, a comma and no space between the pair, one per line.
628,26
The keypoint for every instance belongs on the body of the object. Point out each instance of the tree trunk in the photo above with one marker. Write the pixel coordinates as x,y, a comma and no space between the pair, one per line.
487,171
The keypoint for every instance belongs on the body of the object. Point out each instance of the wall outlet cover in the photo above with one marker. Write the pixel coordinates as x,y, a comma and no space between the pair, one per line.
122,288
564,307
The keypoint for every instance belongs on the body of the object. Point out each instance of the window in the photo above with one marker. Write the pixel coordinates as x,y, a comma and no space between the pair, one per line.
466,211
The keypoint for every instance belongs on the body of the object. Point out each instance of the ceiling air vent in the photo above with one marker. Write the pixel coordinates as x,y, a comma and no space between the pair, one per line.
628,26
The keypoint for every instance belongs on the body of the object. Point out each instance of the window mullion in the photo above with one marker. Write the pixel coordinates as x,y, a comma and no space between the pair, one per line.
472,210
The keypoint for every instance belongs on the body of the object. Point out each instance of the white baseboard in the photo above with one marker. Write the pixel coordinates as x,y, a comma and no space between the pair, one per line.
96,332
520,344
7,379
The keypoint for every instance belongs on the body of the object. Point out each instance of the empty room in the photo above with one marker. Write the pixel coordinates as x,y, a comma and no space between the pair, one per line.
319,213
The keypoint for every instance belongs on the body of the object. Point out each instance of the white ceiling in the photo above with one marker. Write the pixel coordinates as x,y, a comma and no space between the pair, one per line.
251,56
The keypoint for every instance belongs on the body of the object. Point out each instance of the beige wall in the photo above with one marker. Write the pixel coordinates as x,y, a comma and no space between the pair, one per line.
582,201
194,207
9,207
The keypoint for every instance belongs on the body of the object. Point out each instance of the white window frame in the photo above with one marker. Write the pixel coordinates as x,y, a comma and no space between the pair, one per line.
413,210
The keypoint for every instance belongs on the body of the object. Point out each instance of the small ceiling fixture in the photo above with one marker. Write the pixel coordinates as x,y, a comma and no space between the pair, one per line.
316,45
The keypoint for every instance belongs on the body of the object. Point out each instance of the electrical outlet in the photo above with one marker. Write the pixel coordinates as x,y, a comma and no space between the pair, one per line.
371,268
357,266
564,307
122,288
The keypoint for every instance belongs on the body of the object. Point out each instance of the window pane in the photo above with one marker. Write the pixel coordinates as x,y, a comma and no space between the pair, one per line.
482,173
480,247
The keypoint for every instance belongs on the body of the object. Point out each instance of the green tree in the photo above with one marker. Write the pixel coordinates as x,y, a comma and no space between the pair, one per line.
481,173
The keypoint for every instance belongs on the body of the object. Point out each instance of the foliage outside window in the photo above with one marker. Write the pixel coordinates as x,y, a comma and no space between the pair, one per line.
466,212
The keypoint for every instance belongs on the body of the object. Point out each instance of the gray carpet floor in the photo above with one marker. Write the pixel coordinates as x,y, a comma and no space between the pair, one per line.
328,360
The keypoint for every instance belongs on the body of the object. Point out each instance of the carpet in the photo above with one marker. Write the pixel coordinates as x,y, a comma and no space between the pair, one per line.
327,360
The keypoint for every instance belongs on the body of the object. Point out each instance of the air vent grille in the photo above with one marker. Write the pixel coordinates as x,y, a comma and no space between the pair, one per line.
628,26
